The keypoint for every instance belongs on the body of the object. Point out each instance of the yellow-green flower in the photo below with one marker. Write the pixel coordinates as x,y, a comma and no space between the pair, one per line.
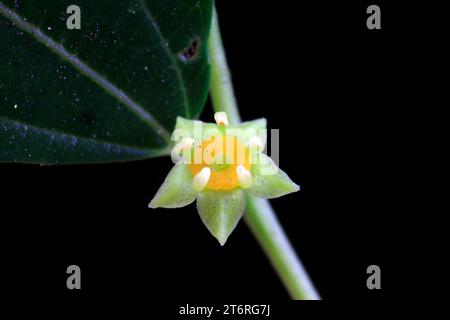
217,164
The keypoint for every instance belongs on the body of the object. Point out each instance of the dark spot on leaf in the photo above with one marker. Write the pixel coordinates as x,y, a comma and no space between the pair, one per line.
190,52
88,117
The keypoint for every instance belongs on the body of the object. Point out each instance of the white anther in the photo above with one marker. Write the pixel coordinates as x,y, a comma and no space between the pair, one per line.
244,176
201,179
180,149
256,142
187,143
221,118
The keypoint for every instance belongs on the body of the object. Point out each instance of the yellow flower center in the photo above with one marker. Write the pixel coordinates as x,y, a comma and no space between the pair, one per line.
223,155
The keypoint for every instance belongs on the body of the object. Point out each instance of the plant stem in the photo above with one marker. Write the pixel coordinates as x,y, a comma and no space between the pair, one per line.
222,92
259,216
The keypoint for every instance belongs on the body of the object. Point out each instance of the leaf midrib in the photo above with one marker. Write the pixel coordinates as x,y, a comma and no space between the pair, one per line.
86,70
48,131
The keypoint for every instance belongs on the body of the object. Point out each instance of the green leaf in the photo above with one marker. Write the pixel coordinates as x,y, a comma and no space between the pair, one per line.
269,181
176,191
109,92
221,211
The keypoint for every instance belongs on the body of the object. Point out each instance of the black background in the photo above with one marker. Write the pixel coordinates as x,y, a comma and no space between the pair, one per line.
330,85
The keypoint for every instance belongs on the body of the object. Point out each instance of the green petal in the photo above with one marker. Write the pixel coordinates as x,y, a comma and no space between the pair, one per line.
249,129
269,181
221,211
260,123
185,125
176,191
186,128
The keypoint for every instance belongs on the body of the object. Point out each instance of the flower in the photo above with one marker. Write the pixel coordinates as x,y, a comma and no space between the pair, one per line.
218,164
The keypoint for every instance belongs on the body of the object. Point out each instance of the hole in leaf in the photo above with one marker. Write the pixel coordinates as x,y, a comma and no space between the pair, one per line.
190,52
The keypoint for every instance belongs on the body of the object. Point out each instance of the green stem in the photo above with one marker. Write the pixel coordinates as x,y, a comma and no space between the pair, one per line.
259,216
222,92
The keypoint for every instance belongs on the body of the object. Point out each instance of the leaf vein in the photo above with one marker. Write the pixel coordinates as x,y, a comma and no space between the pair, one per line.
86,70
165,45
63,135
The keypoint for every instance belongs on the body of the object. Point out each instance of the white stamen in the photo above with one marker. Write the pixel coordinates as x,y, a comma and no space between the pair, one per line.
187,143
221,118
201,179
181,148
256,142
244,176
